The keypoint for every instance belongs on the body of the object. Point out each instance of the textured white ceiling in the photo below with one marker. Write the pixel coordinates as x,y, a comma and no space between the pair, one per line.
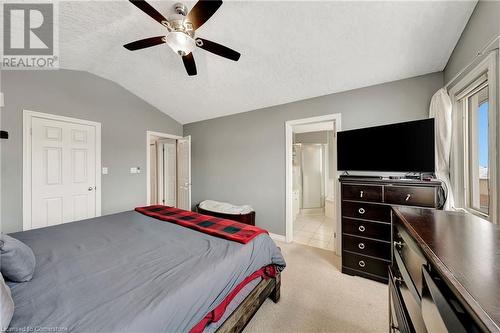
291,50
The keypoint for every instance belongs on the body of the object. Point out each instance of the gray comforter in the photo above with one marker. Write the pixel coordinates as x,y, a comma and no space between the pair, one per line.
130,273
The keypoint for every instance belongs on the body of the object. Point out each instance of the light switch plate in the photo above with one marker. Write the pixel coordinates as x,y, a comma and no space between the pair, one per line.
133,170
104,170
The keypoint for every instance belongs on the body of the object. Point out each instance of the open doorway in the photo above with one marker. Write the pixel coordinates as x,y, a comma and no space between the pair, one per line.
168,170
312,181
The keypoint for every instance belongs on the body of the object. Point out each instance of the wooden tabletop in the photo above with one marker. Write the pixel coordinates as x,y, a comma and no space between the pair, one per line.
465,249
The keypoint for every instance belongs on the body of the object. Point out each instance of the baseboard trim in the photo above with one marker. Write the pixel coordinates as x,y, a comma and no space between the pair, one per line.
276,237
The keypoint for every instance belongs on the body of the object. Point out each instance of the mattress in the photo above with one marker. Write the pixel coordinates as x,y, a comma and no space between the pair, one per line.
128,272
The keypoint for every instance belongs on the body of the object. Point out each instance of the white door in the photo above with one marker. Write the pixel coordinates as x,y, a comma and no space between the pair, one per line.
154,173
170,173
184,173
63,172
312,175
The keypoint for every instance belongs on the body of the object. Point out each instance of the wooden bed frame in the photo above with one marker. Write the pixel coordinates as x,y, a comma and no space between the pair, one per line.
240,317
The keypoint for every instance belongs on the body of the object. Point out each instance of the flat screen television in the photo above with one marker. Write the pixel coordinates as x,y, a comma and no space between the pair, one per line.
402,147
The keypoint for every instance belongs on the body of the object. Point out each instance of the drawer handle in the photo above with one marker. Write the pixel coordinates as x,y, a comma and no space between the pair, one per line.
408,196
398,244
360,194
361,246
361,263
361,211
361,228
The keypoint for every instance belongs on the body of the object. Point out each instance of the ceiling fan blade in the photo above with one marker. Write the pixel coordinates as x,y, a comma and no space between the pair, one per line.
148,9
143,43
218,49
202,11
189,63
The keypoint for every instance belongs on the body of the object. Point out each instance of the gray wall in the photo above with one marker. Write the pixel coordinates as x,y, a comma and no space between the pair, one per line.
241,158
125,118
483,25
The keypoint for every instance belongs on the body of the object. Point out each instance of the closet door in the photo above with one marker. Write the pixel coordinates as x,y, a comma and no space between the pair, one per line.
184,173
63,172
170,173
153,171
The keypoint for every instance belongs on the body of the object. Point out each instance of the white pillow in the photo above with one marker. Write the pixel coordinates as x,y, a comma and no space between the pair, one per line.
6,305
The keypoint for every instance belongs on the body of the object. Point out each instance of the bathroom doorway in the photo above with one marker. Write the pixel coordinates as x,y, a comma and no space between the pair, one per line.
314,178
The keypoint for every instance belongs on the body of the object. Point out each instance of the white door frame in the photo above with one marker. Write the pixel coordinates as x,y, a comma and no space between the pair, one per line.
336,118
150,134
27,121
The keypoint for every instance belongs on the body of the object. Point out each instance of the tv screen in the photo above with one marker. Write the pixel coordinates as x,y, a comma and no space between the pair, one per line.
402,147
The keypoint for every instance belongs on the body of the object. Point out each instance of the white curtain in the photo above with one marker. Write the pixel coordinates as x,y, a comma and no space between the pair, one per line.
440,110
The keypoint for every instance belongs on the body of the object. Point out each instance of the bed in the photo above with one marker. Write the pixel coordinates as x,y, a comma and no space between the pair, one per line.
128,272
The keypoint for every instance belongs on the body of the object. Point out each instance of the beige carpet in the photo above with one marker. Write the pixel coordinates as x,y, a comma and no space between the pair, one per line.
316,297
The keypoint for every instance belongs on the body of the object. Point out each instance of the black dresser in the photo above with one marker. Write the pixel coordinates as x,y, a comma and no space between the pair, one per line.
367,220
445,272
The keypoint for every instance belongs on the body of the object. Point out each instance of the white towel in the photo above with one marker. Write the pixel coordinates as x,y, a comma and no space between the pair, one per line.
224,207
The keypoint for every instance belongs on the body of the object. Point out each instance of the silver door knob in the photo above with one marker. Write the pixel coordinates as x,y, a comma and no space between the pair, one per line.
361,246
361,228
91,188
361,211
361,263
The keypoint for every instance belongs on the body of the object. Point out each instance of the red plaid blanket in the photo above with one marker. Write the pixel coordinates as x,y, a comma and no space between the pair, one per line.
214,226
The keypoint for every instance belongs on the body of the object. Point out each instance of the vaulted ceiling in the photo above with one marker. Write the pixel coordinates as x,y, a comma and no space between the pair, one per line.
291,50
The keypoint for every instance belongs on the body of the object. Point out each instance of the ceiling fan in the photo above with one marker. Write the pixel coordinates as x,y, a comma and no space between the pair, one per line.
181,28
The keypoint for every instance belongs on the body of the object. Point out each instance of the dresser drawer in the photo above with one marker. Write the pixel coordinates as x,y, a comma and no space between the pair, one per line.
441,310
410,195
367,247
367,211
362,192
409,259
365,264
374,230
399,320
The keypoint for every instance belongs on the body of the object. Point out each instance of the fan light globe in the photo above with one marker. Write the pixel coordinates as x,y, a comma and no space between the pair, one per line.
180,42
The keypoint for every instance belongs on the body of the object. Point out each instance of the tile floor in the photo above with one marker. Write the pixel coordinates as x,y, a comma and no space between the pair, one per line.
314,230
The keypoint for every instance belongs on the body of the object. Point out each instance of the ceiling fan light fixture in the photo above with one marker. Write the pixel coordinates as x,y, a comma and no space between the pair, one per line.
181,28
180,42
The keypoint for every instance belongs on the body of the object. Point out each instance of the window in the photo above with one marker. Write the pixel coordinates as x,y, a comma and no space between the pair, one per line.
474,159
478,150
